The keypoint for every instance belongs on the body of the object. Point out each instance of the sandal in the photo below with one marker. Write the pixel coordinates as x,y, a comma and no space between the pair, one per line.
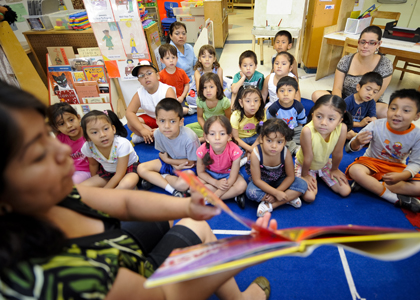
297,203
263,208
264,284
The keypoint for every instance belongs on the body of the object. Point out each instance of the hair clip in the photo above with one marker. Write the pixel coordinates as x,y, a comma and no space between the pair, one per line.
261,123
106,112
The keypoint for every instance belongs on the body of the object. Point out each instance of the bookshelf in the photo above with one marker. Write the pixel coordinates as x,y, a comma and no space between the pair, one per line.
217,11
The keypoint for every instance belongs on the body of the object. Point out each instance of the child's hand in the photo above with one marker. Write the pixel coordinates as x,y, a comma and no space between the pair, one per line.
281,196
183,166
222,184
364,122
147,135
241,74
197,209
311,182
393,178
269,198
341,178
248,155
363,138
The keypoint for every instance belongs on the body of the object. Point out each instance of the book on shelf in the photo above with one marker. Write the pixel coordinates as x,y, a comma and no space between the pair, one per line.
263,244
60,55
60,80
68,96
95,73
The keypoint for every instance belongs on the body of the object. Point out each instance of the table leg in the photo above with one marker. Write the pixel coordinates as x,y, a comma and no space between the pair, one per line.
261,50
253,43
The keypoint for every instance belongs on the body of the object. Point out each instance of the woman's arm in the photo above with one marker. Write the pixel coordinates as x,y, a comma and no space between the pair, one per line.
264,91
93,166
338,83
290,172
122,165
200,118
241,143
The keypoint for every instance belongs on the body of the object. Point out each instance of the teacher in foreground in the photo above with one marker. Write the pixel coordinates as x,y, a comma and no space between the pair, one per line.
58,241
352,67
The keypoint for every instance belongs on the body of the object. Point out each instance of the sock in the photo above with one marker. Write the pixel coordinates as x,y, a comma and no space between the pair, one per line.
169,188
388,195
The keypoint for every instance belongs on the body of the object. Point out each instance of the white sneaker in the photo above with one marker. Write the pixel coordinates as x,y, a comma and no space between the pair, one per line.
243,161
263,208
297,203
136,139
191,110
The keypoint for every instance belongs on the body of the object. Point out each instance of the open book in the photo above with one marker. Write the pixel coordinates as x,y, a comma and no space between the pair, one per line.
263,244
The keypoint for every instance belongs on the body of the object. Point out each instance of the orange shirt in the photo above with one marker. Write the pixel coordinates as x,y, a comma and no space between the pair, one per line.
178,79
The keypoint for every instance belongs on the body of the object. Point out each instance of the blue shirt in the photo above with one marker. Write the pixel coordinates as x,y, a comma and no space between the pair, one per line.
293,115
362,110
187,60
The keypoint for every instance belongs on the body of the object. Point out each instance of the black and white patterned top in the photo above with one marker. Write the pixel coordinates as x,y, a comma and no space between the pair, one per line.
384,68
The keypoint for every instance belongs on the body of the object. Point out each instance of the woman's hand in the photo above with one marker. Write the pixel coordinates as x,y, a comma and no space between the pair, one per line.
339,176
266,222
198,210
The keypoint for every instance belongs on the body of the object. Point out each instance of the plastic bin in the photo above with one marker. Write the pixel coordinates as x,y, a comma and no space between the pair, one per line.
188,4
60,20
39,22
197,11
356,26
178,11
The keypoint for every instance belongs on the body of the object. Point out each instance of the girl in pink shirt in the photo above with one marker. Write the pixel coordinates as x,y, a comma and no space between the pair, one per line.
218,161
65,121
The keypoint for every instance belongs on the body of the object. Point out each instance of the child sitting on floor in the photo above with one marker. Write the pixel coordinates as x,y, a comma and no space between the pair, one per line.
146,97
382,169
289,110
362,105
177,146
174,76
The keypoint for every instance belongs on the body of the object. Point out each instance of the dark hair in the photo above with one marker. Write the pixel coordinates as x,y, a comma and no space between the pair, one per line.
10,16
371,77
248,54
207,161
110,117
56,111
210,49
165,48
21,236
207,77
172,28
374,29
242,93
287,80
275,125
284,33
170,104
338,104
289,56
411,94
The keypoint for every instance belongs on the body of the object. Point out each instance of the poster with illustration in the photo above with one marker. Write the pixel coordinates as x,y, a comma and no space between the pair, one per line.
125,67
125,10
95,73
133,39
99,10
109,40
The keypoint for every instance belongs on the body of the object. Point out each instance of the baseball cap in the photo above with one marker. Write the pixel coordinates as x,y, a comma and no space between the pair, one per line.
143,63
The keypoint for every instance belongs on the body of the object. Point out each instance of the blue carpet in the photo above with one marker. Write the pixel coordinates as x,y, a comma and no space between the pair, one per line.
321,275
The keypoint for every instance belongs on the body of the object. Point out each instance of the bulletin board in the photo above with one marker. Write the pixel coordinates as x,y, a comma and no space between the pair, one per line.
290,12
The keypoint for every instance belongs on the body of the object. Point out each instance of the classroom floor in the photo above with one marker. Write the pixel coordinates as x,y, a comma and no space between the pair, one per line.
328,273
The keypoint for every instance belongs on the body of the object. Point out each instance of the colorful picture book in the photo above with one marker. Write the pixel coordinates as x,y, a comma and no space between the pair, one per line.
68,96
60,80
95,73
263,244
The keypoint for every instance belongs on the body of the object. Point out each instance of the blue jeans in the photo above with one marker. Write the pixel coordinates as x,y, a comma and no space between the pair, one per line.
168,169
254,193
218,175
249,141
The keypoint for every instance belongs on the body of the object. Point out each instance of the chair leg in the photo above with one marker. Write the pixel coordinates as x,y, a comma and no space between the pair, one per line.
402,72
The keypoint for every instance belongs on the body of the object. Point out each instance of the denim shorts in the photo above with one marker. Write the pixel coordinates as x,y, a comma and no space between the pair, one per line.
250,140
254,193
218,175
168,169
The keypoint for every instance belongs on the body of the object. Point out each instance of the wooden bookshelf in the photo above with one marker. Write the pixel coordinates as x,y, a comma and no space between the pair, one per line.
217,11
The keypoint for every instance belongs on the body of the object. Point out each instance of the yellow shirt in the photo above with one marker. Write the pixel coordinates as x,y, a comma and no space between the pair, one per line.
320,148
246,128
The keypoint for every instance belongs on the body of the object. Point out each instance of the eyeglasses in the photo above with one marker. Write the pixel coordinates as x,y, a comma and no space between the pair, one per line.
144,75
371,43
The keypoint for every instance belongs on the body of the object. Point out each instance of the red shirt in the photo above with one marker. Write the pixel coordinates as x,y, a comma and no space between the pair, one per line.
178,79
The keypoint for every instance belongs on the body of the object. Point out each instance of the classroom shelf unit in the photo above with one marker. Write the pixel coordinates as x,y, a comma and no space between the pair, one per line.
217,11
153,13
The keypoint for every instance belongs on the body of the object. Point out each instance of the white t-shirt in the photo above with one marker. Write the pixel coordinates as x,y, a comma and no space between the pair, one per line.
149,101
120,147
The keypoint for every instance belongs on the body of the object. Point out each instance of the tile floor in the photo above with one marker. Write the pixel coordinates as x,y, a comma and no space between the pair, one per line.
240,39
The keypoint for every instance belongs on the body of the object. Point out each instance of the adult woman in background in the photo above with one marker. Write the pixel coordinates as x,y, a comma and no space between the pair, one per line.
177,36
59,242
352,67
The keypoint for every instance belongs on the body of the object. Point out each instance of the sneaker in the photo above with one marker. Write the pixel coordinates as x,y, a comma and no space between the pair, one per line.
243,161
136,139
145,185
297,203
407,202
191,110
355,187
240,200
180,194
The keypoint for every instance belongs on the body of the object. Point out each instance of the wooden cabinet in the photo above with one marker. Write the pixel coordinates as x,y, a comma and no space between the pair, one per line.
216,10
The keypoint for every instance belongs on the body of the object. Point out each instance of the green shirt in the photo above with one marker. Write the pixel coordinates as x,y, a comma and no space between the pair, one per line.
218,110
